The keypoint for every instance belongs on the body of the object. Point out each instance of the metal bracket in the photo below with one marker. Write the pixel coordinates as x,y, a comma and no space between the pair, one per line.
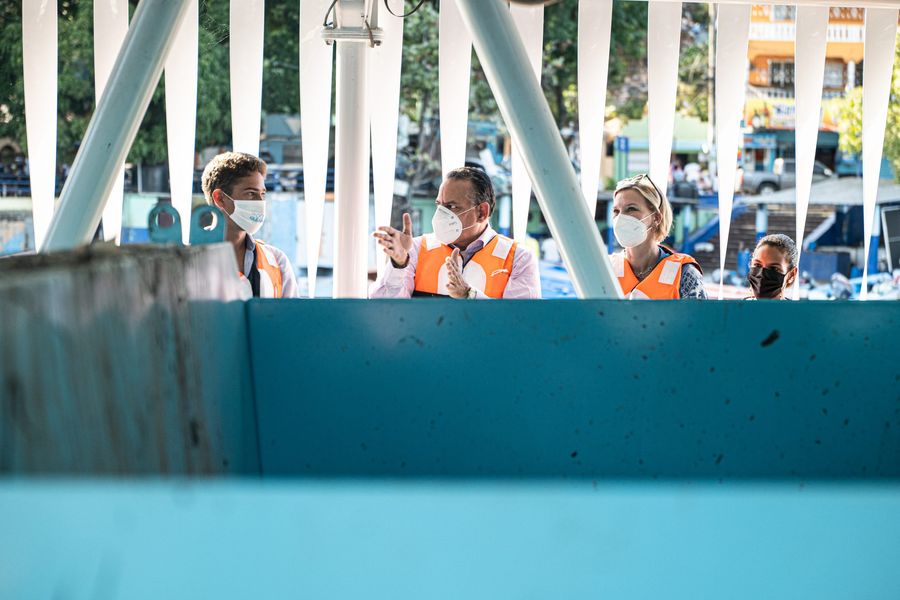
198,234
164,235
374,37
364,27
201,235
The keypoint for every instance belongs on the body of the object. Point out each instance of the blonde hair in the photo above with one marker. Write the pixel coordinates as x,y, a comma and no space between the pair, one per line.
643,185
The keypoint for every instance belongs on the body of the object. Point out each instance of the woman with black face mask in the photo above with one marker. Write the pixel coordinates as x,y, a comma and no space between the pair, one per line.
773,267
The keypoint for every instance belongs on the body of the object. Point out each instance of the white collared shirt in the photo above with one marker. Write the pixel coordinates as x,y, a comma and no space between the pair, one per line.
524,281
289,287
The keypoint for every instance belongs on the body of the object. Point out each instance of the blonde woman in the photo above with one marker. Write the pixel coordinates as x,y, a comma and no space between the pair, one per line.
648,270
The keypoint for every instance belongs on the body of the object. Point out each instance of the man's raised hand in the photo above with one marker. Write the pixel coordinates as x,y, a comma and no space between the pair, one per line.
396,244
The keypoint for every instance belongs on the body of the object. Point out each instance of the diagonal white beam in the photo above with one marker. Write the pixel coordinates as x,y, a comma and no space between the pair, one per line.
525,111
115,122
110,27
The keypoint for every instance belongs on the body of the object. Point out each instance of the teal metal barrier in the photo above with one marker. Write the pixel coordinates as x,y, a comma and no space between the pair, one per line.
440,449
590,389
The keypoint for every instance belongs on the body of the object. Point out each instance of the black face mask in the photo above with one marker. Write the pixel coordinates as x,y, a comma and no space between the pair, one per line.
766,282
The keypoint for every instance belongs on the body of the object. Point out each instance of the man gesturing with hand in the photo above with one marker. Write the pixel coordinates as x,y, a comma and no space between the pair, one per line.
464,257
396,244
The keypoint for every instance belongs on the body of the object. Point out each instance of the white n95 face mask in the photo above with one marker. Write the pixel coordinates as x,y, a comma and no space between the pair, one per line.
629,231
446,224
249,215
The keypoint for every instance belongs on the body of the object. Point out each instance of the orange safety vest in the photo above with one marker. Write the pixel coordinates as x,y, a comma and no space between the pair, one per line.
663,282
488,270
270,280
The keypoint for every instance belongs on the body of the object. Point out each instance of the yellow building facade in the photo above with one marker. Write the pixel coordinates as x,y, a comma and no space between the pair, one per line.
769,112
771,56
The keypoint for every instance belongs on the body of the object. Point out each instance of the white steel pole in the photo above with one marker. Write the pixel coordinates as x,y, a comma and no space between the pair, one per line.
454,77
181,115
384,96
525,111
39,74
351,162
316,64
881,36
246,27
663,45
809,75
594,34
115,123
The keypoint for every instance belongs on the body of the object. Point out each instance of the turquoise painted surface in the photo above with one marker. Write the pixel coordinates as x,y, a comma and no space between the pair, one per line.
448,449
383,539
590,389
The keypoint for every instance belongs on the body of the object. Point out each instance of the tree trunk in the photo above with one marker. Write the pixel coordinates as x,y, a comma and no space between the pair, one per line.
561,115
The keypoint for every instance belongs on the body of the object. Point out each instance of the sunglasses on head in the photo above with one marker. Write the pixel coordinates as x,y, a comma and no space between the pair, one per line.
633,181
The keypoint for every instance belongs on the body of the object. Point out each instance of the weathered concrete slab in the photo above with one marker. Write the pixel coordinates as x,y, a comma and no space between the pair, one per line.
115,360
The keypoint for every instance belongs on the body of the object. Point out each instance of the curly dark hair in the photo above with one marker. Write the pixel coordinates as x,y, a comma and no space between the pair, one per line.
481,185
223,170
783,243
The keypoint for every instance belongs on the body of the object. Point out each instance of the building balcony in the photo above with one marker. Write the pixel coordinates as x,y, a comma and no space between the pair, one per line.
783,13
768,92
780,93
786,31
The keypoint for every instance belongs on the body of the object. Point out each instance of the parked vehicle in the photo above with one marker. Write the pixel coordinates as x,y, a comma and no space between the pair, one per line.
848,165
782,176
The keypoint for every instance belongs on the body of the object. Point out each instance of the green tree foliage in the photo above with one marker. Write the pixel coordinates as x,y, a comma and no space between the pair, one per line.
627,87
627,71
76,77
693,76
419,69
850,110
76,85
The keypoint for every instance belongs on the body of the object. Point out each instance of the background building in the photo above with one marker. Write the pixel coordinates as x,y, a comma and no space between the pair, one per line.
769,112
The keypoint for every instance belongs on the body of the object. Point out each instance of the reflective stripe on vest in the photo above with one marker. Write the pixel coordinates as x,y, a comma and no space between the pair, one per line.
270,280
663,282
488,270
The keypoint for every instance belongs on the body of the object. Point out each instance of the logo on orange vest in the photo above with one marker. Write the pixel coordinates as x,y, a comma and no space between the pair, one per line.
498,271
